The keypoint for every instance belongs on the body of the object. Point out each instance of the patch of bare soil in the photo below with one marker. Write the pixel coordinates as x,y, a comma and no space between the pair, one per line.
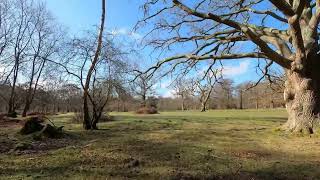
10,123
11,143
251,154
5,143
231,176
43,146
247,129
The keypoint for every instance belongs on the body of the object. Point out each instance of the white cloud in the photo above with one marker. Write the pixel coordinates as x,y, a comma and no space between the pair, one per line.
165,84
126,32
163,89
232,71
169,93
2,69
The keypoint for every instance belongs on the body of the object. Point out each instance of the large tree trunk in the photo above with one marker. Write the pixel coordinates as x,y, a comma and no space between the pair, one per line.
302,102
28,98
257,103
203,107
86,115
144,100
182,103
96,118
205,99
26,108
11,103
241,100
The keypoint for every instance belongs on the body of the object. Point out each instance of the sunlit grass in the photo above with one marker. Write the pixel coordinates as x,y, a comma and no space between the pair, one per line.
173,145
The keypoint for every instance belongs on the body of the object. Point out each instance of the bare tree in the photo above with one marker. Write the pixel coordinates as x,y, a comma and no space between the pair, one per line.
25,35
218,28
25,26
143,86
183,87
205,86
100,96
42,46
6,27
86,116
223,95
262,95
108,72
6,30
108,78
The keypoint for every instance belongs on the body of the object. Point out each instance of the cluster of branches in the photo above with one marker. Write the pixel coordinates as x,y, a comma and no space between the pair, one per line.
28,35
282,31
35,51
108,74
221,93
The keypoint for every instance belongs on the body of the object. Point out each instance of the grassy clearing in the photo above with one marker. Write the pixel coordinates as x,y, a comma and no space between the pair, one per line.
171,145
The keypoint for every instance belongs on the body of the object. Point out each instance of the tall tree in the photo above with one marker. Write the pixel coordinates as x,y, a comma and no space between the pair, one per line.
284,32
25,26
26,31
42,46
143,86
86,116
183,88
205,87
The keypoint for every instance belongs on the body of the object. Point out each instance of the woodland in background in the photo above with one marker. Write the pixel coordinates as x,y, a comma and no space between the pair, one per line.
45,70
51,81
67,98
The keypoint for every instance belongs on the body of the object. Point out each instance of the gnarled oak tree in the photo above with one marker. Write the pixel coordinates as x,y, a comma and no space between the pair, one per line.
284,32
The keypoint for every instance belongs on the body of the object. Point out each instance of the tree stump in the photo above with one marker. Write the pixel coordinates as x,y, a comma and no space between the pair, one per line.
36,124
32,125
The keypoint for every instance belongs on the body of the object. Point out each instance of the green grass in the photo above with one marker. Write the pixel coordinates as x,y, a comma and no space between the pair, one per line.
226,144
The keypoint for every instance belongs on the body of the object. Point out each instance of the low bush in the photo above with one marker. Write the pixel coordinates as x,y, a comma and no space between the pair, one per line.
12,114
147,110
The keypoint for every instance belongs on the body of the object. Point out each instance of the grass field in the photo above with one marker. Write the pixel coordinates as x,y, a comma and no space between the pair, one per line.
171,145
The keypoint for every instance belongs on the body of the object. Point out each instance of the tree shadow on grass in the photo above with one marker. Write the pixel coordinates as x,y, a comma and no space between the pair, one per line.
112,156
127,150
190,160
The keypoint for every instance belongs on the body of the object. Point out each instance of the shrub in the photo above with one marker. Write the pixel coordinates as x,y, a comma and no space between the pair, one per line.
147,110
12,114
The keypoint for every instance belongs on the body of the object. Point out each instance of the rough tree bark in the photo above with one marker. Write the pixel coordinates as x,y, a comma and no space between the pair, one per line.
204,99
182,103
302,98
293,46
31,92
241,99
86,115
11,102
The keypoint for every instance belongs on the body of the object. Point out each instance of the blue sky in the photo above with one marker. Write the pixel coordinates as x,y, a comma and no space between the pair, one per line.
79,15
122,15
